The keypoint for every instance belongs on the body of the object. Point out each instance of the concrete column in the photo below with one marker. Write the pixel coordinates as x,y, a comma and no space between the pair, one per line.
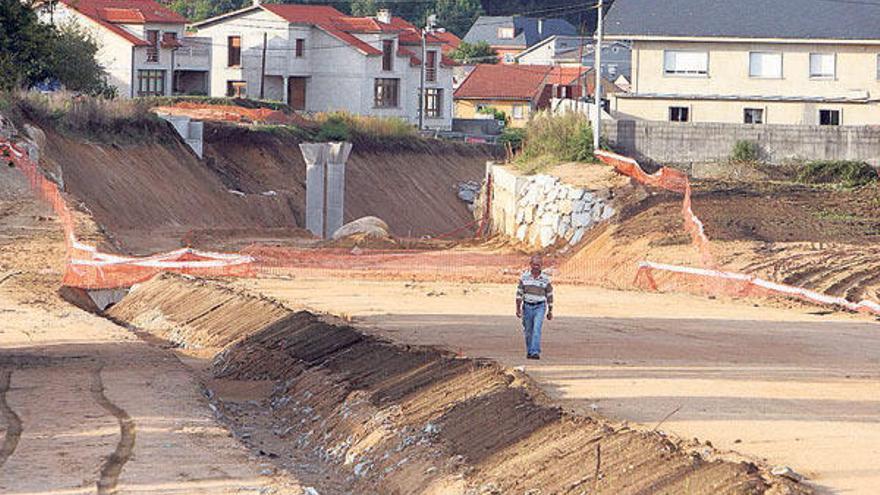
337,155
314,155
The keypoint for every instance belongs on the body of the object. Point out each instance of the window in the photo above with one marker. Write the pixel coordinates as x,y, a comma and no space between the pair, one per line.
683,63
561,91
151,83
679,114
385,93
765,64
300,47
753,115
829,117
505,33
153,49
387,54
236,89
431,66
823,65
517,112
433,103
233,46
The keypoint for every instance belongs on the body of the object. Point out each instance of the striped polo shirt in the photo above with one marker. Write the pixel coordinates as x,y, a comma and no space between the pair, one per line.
534,290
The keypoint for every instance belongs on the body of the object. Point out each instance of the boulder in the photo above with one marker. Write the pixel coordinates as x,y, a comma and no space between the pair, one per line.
367,226
521,232
575,193
578,235
548,236
581,219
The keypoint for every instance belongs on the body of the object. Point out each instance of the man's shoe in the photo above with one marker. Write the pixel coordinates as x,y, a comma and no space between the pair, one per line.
532,356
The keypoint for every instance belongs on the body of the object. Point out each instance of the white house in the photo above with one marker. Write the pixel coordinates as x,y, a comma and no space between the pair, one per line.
318,59
141,45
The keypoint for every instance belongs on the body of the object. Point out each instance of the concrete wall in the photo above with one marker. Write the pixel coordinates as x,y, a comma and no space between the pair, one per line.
672,142
541,211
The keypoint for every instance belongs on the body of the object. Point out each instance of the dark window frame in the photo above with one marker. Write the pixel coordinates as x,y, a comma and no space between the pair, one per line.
151,82
431,65
828,116
749,115
679,114
153,38
386,92
387,55
233,53
300,49
230,88
433,103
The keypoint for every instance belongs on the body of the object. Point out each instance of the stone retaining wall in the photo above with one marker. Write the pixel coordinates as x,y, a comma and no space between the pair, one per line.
541,211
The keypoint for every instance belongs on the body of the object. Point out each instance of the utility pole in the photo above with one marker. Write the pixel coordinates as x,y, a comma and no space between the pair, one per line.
429,28
597,67
263,69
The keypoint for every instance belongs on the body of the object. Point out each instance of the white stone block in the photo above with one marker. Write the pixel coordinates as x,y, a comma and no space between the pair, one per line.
521,232
565,206
578,235
529,214
581,219
607,212
575,193
549,220
548,236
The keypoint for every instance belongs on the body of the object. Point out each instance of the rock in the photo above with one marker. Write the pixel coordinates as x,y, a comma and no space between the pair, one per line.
369,226
310,491
520,216
529,215
581,219
575,193
786,472
548,236
521,232
552,195
578,206
549,220
566,207
468,191
578,235
607,212
588,197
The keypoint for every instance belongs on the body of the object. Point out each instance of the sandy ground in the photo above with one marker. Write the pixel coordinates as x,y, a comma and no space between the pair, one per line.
794,386
81,389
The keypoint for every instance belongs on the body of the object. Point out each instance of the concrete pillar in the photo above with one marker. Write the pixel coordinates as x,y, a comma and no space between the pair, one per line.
336,157
315,158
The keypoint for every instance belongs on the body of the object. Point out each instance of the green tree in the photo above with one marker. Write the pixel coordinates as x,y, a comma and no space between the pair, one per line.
73,62
474,53
25,46
364,7
457,16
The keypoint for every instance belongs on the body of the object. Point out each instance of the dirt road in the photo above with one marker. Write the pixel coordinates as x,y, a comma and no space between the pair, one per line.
87,407
789,385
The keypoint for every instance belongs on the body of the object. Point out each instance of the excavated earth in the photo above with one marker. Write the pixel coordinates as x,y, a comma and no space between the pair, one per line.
250,187
387,418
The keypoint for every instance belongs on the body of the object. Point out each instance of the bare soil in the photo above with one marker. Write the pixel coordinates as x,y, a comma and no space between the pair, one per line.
397,419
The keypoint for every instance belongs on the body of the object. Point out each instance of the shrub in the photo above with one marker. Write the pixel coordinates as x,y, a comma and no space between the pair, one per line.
842,172
512,136
496,114
745,151
339,124
118,120
565,137
334,128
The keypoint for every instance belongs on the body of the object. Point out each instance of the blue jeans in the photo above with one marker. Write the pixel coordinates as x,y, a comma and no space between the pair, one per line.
533,320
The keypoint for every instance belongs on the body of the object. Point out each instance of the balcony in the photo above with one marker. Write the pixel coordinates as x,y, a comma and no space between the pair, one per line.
193,54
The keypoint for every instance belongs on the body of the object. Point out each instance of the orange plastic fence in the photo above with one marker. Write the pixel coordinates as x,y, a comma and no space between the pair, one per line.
708,279
89,268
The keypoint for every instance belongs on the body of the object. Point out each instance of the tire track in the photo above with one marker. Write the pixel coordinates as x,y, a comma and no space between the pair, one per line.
13,422
112,467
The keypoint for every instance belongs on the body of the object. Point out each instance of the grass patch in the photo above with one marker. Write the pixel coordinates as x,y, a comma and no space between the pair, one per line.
745,152
837,216
103,120
838,172
549,139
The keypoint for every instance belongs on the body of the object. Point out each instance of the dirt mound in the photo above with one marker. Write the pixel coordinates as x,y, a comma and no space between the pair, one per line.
395,419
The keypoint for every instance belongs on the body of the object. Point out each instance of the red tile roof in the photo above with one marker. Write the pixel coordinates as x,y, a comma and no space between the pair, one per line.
521,82
449,40
109,13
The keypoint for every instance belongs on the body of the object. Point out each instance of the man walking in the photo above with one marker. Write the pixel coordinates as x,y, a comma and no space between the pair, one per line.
534,298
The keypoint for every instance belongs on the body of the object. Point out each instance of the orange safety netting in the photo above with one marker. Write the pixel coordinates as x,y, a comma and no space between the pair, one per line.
89,268
657,276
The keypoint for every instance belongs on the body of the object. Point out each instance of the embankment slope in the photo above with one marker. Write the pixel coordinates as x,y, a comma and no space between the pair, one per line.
390,418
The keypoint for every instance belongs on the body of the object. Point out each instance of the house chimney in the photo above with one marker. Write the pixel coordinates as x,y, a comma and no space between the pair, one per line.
384,16
257,2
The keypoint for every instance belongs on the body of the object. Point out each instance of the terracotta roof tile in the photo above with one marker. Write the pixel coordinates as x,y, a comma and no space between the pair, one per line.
109,13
